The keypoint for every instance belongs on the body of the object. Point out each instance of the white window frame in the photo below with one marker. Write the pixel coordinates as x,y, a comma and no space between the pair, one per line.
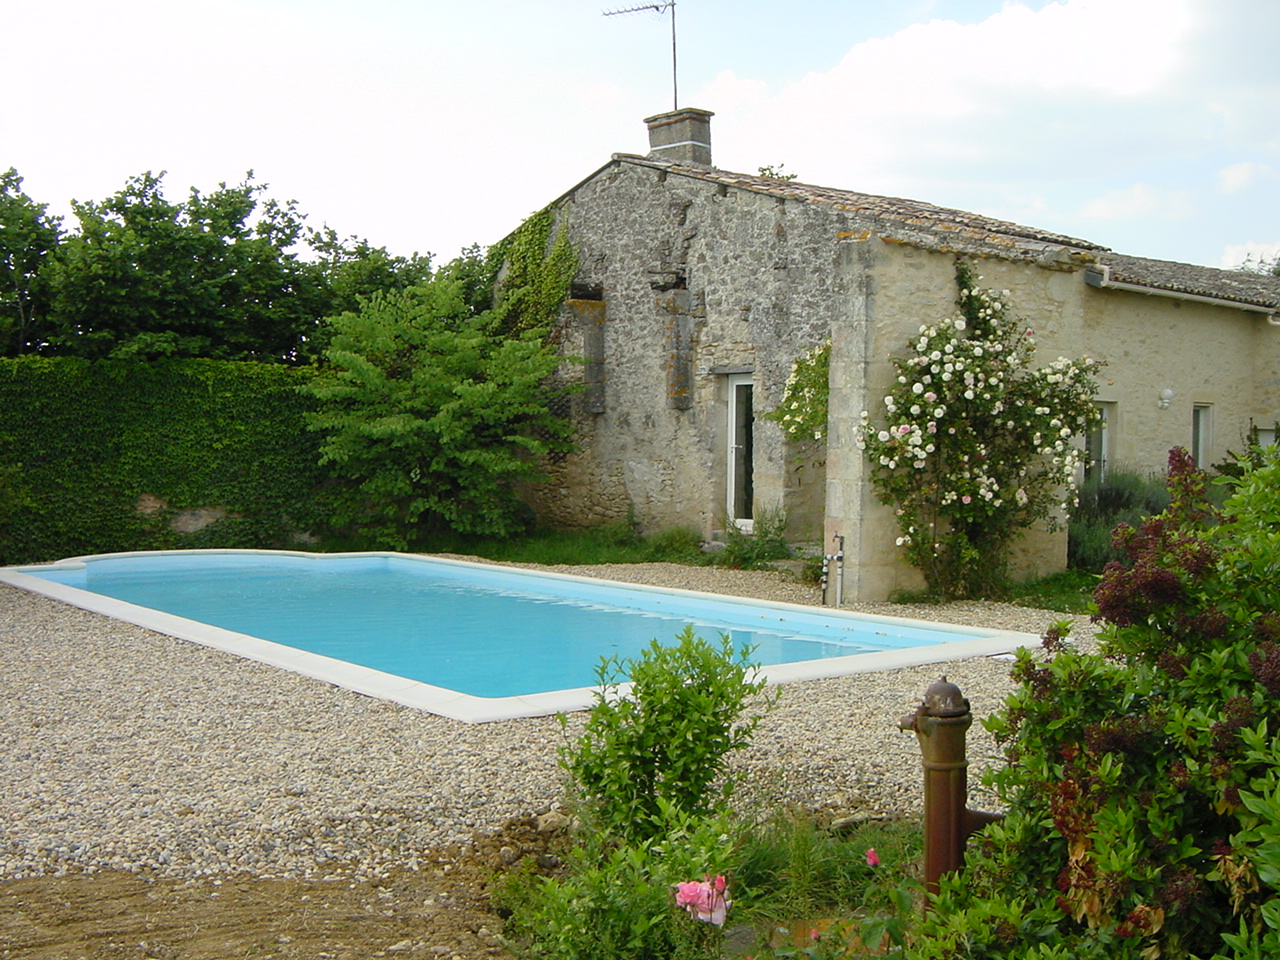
739,470
1099,442
1201,433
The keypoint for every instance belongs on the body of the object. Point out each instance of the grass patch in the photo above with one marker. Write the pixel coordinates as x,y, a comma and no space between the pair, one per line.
612,543
791,867
1068,592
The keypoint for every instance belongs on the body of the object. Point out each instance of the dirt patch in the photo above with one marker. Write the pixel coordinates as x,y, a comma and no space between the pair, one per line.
440,910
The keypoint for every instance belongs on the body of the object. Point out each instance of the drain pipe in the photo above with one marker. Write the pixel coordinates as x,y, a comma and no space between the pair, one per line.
839,558
940,724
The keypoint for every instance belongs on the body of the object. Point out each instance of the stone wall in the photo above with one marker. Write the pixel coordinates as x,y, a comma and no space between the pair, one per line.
698,283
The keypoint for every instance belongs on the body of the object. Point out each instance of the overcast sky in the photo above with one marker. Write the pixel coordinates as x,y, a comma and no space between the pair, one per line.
1149,126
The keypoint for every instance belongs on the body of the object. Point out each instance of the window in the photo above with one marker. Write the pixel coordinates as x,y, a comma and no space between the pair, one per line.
1097,445
1201,433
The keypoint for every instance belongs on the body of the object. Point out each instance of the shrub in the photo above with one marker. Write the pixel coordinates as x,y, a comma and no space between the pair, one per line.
664,741
617,900
1141,780
753,551
973,444
647,775
1122,496
86,440
431,415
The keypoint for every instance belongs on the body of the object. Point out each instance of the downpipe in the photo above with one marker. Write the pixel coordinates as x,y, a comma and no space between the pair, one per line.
838,559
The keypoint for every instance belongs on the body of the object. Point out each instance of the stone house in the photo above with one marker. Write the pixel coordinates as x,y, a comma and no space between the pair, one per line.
698,288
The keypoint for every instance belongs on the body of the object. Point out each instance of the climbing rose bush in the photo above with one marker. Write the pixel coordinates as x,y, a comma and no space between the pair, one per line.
974,444
802,413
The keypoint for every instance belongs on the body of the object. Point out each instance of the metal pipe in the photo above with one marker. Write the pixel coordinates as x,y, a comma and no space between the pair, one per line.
1099,275
839,558
940,724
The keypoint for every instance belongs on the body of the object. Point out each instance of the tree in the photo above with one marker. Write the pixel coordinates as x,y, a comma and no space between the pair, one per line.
976,444
27,239
1263,264
354,270
214,277
431,414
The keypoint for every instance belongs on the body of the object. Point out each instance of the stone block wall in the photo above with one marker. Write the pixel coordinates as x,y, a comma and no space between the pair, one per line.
698,283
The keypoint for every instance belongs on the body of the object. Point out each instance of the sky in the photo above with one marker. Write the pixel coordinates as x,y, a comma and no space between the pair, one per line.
1147,126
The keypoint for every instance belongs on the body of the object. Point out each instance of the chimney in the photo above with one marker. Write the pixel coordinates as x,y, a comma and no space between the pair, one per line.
682,136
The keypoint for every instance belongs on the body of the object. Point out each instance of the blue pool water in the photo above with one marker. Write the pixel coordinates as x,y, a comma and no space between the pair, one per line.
483,631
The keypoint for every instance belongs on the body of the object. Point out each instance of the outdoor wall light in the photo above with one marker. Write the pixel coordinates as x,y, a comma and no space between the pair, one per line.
1166,398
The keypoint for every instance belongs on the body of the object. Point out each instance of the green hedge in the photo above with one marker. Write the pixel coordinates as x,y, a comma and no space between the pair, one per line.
82,441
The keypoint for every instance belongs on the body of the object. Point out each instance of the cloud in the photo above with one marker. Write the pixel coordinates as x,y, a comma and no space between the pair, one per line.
1238,176
942,92
1094,118
729,92
1141,201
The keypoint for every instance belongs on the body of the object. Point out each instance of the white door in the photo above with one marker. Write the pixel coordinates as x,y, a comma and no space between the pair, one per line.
740,430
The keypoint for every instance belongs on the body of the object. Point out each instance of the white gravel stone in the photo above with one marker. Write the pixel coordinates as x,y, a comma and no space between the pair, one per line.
127,749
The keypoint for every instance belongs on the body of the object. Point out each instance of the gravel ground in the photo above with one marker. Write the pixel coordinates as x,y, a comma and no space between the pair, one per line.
127,749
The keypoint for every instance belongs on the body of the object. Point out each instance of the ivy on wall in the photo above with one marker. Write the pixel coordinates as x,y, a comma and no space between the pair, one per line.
536,271
101,456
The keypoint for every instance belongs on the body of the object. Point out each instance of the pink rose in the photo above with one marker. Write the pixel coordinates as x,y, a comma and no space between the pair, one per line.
707,901
873,858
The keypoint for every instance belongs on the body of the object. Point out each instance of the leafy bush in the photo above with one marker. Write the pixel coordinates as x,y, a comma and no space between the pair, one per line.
1122,496
616,899
430,414
1252,455
1141,780
973,444
665,741
644,772
753,551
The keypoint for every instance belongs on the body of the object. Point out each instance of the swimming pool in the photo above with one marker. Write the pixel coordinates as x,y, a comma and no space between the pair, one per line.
470,641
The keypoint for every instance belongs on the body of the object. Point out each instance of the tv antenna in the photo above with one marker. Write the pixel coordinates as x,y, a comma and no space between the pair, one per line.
660,8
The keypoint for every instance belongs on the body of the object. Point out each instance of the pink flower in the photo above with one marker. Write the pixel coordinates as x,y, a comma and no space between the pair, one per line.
707,901
873,858
965,499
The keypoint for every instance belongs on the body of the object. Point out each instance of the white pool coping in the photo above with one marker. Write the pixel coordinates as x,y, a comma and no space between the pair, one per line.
471,709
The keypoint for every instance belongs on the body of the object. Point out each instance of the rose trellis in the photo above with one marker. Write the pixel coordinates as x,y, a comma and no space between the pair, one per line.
973,444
